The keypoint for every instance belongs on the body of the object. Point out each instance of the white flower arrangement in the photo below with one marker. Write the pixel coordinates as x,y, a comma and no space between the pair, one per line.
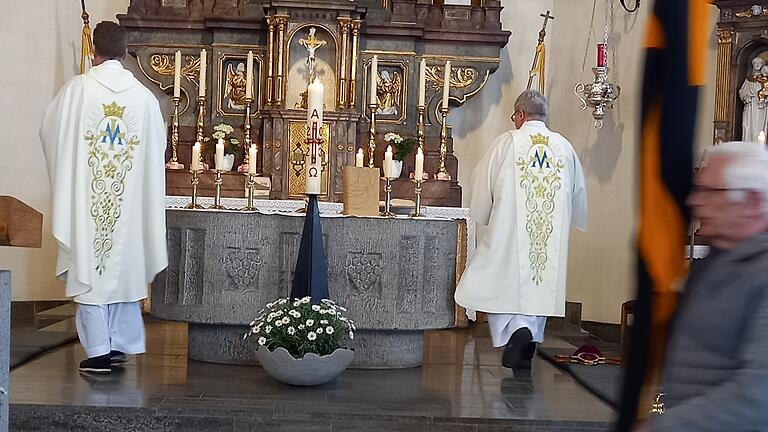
393,138
291,325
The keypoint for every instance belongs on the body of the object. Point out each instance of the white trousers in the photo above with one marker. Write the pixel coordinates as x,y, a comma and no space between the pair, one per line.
503,326
117,326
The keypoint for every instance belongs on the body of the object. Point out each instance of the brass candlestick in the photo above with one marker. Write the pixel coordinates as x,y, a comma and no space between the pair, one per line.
420,131
200,127
251,184
195,182
246,137
417,212
442,173
387,198
372,137
174,162
217,197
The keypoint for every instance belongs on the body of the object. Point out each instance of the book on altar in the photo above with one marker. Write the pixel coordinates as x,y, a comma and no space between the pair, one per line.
361,191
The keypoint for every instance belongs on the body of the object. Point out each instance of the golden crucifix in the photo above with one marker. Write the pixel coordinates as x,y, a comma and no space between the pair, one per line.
311,43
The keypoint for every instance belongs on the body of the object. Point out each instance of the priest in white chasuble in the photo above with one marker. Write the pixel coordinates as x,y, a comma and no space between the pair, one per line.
104,142
529,188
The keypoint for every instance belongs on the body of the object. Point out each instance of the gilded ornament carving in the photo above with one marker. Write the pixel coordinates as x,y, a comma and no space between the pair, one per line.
163,64
725,36
461,77
754,11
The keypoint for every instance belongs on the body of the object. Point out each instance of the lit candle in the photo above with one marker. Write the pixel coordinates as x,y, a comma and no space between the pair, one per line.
418,173
446,83
203,62
220,154
315,92
177,75
601,55
252,153
196,157
761,138
359,158
374,77
388,163
422,81
249,76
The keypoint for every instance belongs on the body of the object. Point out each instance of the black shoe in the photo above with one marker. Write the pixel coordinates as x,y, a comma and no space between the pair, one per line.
96,365
117,357
516,352
530,351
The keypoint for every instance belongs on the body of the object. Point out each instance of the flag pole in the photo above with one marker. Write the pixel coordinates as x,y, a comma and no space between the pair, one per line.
86,54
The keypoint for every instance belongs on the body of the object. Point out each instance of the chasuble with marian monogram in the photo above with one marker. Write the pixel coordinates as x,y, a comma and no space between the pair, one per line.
529,189
104,142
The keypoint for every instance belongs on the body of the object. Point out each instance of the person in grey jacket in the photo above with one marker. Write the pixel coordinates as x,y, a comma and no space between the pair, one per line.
715,377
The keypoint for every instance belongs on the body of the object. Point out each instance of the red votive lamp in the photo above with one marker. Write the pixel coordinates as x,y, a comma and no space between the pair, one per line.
601,55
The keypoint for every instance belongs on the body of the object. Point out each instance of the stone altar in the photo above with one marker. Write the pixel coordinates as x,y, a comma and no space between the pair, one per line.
396,276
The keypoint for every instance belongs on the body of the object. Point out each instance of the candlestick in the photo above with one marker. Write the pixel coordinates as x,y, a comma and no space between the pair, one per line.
203,61
249,76
387,198
219,155
372,134
195,182
374,78
446,83
174,162
359,158
420,130
417,211
201,128
761,137
422,81
217,197
246,165
442,173
250,184
177,75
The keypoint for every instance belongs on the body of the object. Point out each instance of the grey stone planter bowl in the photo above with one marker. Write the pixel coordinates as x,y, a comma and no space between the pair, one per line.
310,370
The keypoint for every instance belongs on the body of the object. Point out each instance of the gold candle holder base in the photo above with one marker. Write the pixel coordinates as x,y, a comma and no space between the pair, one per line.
372,135
387,198
417,212
195,182
174,162
251,184
217,198
174,165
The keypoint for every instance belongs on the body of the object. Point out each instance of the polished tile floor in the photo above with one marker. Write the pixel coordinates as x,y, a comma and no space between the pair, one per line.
461,379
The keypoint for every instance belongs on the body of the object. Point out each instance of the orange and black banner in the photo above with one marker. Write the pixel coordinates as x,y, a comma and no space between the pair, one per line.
675,69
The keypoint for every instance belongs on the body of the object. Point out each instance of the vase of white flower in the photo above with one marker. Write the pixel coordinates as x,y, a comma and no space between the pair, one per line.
303,344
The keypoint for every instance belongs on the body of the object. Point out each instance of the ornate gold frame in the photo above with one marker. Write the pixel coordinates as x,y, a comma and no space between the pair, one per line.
257,84
297,135
404,64
289,38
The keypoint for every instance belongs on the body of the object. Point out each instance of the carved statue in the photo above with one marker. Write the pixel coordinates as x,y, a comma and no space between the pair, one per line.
388,90
311,43
234,90
754,95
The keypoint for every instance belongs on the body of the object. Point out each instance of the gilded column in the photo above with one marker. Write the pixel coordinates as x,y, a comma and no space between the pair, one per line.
355,25
722,91
342,93
270,60
282,20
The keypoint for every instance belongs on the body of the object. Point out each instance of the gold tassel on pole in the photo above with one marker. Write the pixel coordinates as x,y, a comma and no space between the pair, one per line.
87,52
539,58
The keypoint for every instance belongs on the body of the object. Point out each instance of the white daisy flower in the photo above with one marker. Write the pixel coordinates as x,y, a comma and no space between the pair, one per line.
291,330
315,308
270,317
323,321
262,340
268,328
310,322
278,323
305,300
319,330
311,336
329,330
286,320
323,311
301,326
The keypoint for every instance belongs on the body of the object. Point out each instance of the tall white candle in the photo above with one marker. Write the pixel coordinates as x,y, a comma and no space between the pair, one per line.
220,154
418,173
196,157
422,81
203,65
761,137
374,77
249,76
177,75
252,153
315,92
388,163
359,158
446,83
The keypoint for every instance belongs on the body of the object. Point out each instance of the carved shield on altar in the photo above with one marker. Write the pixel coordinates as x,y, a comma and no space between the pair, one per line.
364,272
